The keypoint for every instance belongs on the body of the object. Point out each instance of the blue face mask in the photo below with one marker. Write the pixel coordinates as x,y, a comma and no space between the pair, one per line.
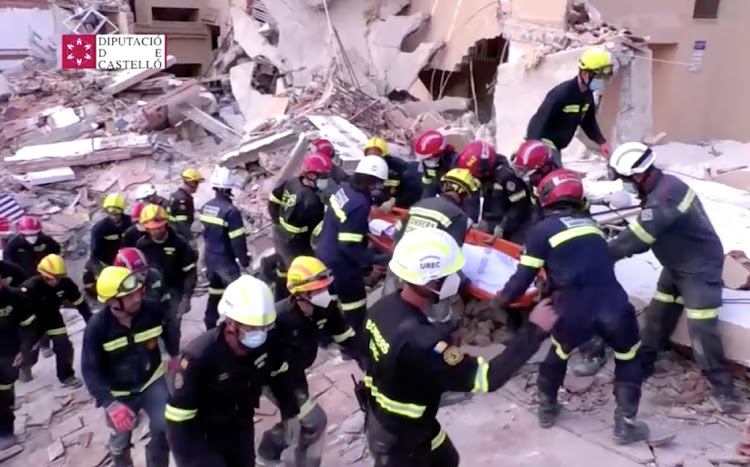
321,184
596,84
253,339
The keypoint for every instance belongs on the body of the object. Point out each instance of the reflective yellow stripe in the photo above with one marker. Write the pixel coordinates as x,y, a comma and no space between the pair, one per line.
280,273
306,408
399,408
575,232
702,313
178,415
158,373
212,220
237,232
57,332
28,320
337,210
6,387
284,366
431,214
147,334
517,197
559,350
115,344
274,199
78,302
339,338
353,305
426,180
350,237
630,354
687,201
392,183
572,108
215,291
180,218
189,267
438,440
531,261
112,237
481,379
318,228
431,172
291,228
641,233
666,298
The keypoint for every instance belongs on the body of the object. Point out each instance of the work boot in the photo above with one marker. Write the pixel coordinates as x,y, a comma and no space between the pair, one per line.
24,375
726,402
548,410
47,352
7,441
262,462
72,382
122,459
627,430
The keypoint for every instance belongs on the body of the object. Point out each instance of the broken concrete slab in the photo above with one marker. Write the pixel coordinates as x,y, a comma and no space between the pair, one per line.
736,272
247,33
12,451
249,152
211,124
58,135
446,104
45,177
127,78
5,90
40,411
67,427
405,67
345,137
254,105
55,450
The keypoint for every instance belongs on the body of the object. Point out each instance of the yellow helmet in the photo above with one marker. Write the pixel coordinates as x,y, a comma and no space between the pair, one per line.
52,266
191,175
377,143
461,179
596,59
114,201
307,274
153,216
248,301
116,281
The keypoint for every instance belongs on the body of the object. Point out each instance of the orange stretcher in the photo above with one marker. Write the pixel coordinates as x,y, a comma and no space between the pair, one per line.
473,237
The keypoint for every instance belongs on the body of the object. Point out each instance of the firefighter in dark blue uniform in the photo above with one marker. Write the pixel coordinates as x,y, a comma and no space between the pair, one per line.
224,235
675,227
404,188
343,241
437,158
586,295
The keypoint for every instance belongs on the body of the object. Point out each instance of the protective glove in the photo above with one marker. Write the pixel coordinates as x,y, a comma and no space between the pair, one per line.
498,232
122,418
183,307
482,226
292,430
388,205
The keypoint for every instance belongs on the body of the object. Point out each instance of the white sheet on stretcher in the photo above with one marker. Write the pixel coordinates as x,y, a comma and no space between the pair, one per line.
486,267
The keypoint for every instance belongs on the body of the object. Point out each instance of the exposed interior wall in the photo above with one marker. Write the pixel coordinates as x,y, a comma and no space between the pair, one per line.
543,12
692,105
14,33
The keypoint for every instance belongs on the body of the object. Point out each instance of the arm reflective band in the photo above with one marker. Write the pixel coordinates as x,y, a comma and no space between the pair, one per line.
339,338
63,331
282,369
180,218
517,197
291,228
531,261
78,302
575,232
28,320
237,232
350,237
212,220
189,267
687,201
481,380
641,233
337,210
353,305
115,344
399,408
178,415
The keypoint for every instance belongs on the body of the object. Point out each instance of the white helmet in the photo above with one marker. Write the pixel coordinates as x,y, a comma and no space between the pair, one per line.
426,254
223,177
248,301
631,159
144,191
373,165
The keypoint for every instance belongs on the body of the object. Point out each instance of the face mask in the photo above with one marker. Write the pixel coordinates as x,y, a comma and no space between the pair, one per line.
379,196
448,289
253,339
321,299
32,239
596,84
321,184
431,162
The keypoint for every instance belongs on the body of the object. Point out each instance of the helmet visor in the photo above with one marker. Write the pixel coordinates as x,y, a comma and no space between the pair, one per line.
318,281
524,173
130,284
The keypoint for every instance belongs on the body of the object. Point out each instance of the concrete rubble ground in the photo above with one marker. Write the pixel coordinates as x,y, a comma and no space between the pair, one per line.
338,70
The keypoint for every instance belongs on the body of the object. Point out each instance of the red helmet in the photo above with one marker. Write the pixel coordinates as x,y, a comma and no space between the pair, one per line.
28,225
132,259
478,157
136,214
430,144
532,156
316,163
323,146
560,185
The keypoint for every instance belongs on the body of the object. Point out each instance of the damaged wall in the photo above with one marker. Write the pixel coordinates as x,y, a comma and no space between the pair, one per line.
17,24
545,12
695,94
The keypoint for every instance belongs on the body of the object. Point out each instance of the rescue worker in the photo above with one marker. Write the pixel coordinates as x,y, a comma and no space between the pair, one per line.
135,231
106,240
11,275
154,287
225,242
411,363
571,104
296,209
343,240
674,225
182,205
46,293
146,193
404,190
585,293
122,365
172,255
18,332
506,197
309,311
220,378
29,245
325,147
437,157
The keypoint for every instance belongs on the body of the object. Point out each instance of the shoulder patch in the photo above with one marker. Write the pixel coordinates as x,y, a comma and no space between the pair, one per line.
179,381
510,186
453,355
571,222
647,214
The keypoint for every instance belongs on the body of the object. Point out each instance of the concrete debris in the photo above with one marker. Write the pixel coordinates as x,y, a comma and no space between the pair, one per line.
67,427
249,152
45,177
55,450
127,78
211,124
12,451
736,273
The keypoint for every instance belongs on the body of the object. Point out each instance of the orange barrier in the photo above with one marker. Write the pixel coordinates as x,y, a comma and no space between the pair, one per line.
473,237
